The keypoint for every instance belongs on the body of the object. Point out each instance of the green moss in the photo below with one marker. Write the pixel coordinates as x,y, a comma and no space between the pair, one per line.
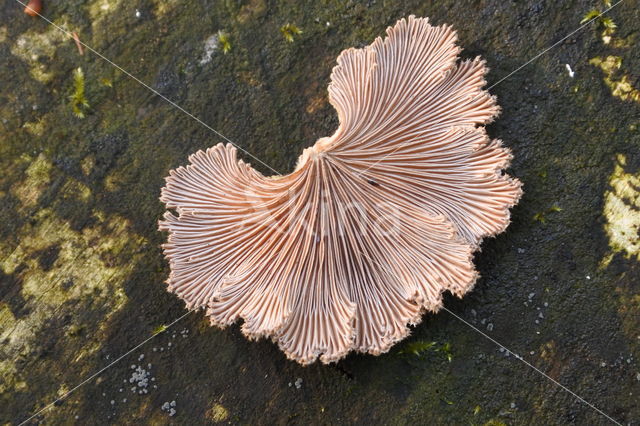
605,24
225,42
79,103
289,31
159,329
420,347
107,82
417,348
590,15
542,216
608,24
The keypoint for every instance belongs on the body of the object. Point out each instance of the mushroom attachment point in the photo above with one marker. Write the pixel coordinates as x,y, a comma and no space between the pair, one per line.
374,223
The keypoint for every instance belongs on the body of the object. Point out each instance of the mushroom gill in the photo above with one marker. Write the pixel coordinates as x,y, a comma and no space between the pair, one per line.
374,223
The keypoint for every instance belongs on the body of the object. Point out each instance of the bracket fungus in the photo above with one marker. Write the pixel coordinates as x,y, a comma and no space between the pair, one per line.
374,223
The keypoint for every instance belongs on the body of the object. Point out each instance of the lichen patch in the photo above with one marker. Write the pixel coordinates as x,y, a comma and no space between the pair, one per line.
218,413
37,48
79,278
622,211
38,176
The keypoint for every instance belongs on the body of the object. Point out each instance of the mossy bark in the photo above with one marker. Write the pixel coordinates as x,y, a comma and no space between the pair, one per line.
81,278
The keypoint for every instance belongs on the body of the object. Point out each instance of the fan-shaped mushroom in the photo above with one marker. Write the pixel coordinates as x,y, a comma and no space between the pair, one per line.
374,223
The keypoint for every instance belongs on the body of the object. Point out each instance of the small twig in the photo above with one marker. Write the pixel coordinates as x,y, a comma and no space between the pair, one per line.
78,43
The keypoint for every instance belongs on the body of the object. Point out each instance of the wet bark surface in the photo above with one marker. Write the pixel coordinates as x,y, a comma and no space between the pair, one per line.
82,273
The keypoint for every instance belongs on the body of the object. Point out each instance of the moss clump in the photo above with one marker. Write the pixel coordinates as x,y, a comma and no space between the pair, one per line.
420,347
159,329
590,15
605,23
542,216
225,43
79,102
289,31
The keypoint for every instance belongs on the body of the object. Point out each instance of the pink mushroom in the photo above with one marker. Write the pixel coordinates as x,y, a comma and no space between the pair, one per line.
374,223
